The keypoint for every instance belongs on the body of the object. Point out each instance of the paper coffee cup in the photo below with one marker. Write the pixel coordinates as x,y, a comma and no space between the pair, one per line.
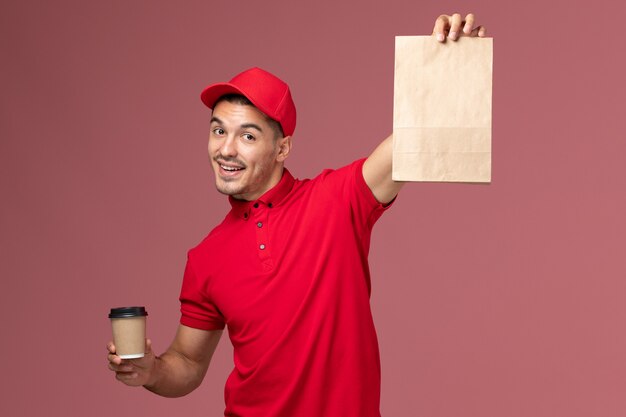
129,331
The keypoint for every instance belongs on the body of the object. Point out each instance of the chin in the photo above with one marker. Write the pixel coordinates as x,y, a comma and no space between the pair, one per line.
226,190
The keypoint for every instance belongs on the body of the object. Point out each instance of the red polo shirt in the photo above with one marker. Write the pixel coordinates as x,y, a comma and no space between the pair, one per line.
288,274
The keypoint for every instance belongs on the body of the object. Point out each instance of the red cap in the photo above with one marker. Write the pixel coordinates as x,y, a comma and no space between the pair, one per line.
267,92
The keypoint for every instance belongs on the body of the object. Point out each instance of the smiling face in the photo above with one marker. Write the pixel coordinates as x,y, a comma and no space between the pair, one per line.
246,155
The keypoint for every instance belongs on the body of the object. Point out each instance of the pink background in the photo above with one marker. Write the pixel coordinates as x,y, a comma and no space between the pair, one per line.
498,300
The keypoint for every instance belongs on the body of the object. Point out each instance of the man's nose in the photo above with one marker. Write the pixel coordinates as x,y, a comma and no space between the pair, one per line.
229,147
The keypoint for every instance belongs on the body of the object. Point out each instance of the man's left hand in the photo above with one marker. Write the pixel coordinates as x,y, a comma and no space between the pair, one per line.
454,26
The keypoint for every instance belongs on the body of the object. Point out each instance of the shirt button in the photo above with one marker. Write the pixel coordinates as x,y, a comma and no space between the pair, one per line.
261,246
256,205
259,224
270,205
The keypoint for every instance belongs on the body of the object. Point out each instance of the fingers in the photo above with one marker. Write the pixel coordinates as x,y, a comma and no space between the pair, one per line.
479,31
454,26
126,371
441,26
112,357
469,24
123,367
132,372
126,377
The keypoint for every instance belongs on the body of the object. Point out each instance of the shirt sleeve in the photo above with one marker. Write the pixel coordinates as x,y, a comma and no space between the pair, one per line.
372,208
347,183
197,309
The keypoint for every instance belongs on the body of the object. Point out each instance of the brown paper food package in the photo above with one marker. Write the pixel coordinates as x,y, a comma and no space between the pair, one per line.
442,109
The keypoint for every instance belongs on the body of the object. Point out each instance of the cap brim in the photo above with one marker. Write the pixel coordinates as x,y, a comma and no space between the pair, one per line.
210,94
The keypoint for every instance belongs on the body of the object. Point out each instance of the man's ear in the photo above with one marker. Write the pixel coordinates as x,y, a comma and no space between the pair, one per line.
284,147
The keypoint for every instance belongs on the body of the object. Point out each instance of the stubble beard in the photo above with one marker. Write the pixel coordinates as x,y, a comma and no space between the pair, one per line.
239,187
227,186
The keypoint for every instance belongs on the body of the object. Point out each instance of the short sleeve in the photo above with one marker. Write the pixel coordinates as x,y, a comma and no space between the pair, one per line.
347,183
364,199
197,309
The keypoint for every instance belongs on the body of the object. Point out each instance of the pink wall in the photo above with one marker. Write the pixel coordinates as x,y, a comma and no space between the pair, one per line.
490,301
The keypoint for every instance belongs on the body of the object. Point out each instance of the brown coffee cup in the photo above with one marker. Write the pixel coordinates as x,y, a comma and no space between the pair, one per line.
129,331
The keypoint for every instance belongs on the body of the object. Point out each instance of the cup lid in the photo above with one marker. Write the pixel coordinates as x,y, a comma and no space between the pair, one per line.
124,312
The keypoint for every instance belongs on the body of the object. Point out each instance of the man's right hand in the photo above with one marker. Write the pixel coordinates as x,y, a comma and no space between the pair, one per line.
133,372
178,371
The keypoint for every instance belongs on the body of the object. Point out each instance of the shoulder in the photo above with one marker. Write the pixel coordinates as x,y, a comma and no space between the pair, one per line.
346,174
217,234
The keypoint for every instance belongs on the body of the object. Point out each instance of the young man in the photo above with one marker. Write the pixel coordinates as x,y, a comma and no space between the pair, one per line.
286,270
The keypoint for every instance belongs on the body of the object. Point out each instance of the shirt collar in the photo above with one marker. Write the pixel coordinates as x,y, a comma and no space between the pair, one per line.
271,198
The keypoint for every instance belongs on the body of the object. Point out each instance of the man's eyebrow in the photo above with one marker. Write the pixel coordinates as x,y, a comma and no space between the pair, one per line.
251,126
243,126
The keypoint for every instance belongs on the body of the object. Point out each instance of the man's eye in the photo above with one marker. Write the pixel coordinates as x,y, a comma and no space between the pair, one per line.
248,136
218,131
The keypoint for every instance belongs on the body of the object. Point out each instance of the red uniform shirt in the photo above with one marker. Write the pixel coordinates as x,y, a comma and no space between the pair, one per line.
288,274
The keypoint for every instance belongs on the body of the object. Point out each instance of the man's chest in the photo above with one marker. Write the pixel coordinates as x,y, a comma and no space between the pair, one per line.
266,264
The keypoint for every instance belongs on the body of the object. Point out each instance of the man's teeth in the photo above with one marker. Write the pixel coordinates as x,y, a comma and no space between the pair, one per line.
231,169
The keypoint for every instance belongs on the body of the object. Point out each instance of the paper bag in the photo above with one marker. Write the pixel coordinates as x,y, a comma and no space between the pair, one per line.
442,109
